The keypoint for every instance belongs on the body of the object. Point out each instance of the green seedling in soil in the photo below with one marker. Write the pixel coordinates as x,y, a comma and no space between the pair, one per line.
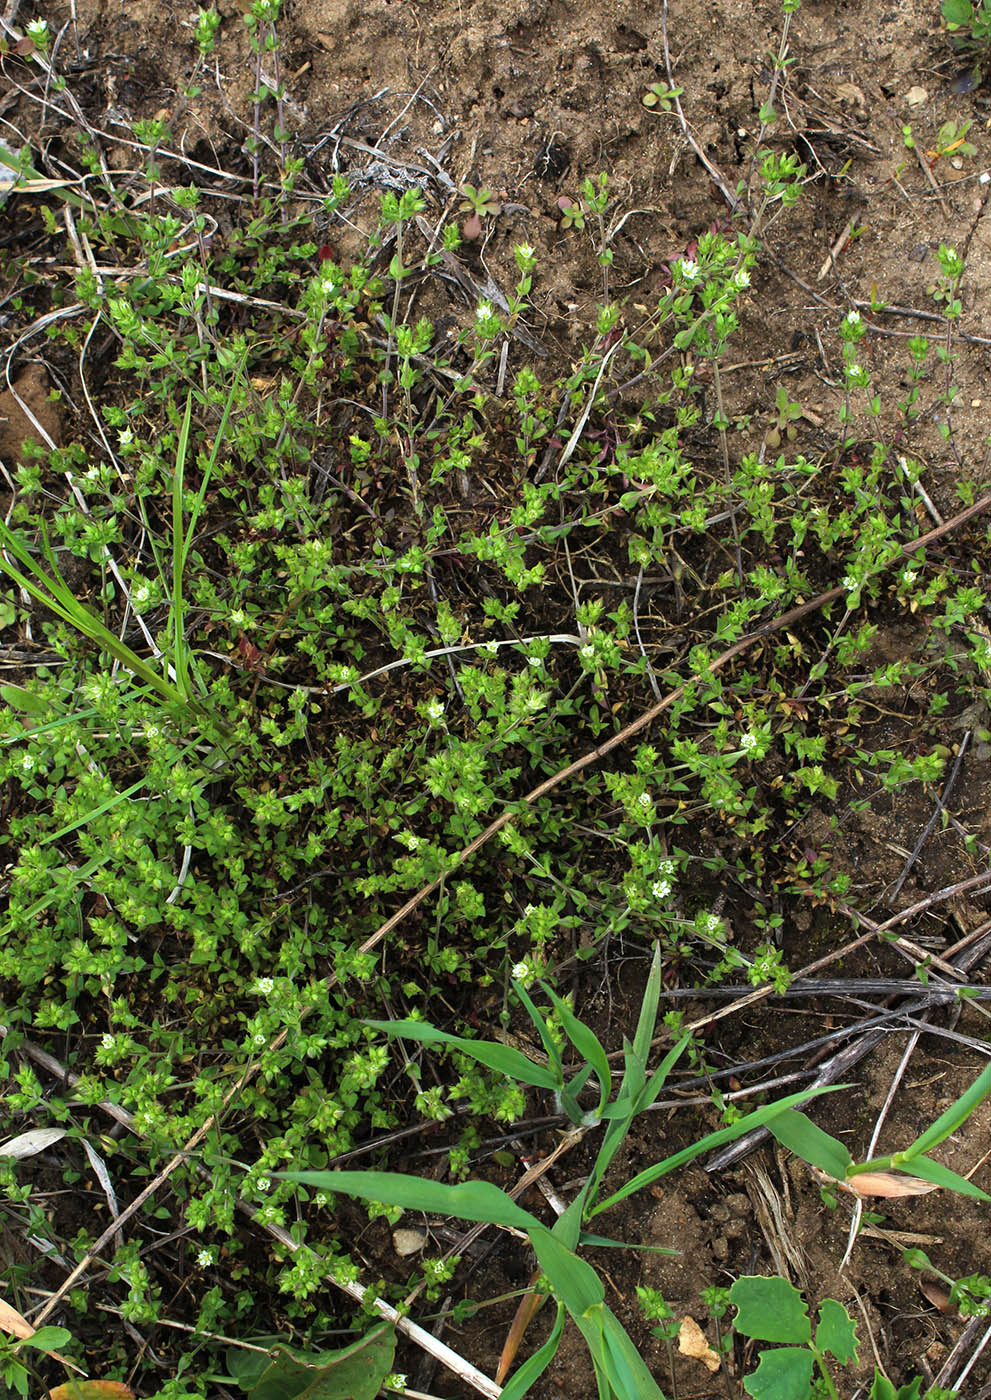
951,140
478,204
772,1310
659,97
573,1283
880,1175
969,25
783,426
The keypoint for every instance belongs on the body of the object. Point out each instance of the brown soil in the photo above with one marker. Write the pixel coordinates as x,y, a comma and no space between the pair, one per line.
527,97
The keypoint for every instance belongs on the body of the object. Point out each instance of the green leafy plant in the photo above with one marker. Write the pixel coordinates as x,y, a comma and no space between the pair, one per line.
574,1283
878,1175
355,1372
773,1310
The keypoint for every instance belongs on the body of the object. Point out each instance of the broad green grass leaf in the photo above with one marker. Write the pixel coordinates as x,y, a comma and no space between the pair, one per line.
941,1176
954,1117
801,1136
658,1079
623,1360
502,1058
531,1370
573,1280
543,1030
836,1332
470,1200
782,1374
757,1119
647,1019
770,1310
588,1045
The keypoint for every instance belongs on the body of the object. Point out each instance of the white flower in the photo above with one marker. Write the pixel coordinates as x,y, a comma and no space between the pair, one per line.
484,312
689,269
205,1258
320,1199
588,651
665,868
153,731
853,318
909,576
263,1183
38,29
328,286
521,971
259,1039
435,710
395,1381
534,661
529,909
742,278
713,924
849,583
107,1040
412,843
125,437
644,800
264,986
27,763
660,889
748,742
238,617
490,647
525,251
855,372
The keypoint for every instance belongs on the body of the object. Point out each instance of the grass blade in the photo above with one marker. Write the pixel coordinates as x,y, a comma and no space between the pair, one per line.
502,1058
469,1200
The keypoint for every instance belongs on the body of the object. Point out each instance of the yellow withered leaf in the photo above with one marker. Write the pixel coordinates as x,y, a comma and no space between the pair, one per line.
692,1342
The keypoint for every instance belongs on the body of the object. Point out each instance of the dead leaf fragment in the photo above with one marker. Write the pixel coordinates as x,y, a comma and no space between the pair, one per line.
887,1184
406,1242
916,96
33,1141
692,1342
11,1321
851,96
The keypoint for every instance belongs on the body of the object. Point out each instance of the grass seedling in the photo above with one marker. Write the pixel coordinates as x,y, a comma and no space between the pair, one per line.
879,1175
574,1284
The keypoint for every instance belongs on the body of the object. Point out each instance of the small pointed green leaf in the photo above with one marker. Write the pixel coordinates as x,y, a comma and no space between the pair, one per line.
836,1332
954,1117
770,1310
